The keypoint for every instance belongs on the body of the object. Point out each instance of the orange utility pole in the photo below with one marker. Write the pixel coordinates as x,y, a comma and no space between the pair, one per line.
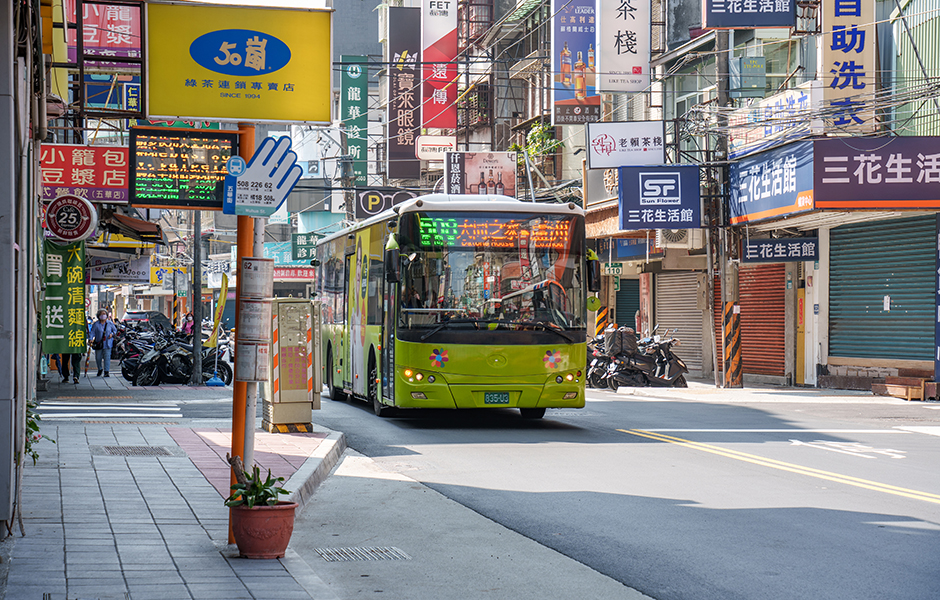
245,248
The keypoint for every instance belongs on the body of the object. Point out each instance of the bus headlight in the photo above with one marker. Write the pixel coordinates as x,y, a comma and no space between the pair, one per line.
569,377
419,376
408,372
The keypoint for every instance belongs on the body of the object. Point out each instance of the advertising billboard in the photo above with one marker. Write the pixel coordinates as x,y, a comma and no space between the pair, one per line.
62,322
354,112
735,14
663,197
849,64
223,63
575,99
108,31
480,173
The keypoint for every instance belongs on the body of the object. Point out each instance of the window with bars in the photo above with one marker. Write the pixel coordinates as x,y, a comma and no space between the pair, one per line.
475,109
474,18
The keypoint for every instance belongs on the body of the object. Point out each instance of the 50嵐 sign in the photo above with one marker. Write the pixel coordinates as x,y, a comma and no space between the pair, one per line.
238,64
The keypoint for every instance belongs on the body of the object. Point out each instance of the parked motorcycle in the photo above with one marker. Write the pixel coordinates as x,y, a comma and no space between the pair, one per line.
598,364
651,364
171,361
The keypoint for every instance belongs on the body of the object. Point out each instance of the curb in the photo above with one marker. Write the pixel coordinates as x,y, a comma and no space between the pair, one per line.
305,481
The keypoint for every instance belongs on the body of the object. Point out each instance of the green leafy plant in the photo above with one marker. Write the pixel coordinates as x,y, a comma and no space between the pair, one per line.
540,141
254,491
32,431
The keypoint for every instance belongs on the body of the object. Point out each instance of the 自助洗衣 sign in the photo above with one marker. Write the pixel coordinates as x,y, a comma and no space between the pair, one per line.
764,250
612,145
575,100
98,173
63,320
877,173
224,63
660,197
772,184
181,169
623,46
751,14
849,64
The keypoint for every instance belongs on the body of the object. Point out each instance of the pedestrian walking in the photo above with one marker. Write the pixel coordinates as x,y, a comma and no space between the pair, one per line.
189,325
102,340
65,360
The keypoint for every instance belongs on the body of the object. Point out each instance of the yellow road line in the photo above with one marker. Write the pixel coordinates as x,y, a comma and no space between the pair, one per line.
785,466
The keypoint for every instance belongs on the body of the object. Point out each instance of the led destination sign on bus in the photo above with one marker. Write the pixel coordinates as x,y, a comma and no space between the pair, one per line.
435,231
179,169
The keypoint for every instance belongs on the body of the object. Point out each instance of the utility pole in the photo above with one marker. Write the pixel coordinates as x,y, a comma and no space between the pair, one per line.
731,317
197,298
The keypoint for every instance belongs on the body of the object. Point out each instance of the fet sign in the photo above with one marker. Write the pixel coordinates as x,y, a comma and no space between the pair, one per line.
71,218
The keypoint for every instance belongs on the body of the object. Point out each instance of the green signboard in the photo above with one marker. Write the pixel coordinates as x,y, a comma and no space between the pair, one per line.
303,246
354,106
64,327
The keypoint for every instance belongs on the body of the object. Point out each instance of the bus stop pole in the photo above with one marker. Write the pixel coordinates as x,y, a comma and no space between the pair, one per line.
244,248
253,387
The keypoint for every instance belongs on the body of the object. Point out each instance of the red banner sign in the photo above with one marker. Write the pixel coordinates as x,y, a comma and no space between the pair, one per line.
98,173
294,273
108,30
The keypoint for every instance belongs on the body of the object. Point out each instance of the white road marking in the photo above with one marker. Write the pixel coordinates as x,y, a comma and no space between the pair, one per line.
851,448
51,411
922,429
781,430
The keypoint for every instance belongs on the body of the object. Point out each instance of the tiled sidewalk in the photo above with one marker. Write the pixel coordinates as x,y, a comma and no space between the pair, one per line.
140,527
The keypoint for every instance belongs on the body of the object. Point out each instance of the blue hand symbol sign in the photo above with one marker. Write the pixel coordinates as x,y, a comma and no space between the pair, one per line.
269,177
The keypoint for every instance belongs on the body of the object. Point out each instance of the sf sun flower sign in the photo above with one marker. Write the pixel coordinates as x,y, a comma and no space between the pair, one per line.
238,64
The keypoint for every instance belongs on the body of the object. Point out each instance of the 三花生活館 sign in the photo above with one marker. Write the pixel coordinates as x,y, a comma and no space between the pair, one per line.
223,63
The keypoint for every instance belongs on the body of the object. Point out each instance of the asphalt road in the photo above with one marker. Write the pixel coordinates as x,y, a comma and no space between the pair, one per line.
694,500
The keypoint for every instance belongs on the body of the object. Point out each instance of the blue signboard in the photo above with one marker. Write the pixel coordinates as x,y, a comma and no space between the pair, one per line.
660,197
773,183
748,14
764,250
282,255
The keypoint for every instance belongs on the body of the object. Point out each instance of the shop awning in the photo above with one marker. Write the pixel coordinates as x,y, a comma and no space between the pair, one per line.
134,228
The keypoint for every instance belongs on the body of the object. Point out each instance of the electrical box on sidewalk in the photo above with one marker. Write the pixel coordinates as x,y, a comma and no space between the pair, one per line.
293,387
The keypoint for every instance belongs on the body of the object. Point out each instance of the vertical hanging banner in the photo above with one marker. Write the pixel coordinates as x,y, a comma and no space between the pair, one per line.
439,49
63,306
849,64
623,46
575,100
354,107
404,91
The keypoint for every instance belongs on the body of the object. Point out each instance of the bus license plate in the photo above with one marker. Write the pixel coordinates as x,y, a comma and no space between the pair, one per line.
495,397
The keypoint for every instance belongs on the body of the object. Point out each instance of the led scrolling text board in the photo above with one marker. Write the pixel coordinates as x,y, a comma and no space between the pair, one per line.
179,169
462,232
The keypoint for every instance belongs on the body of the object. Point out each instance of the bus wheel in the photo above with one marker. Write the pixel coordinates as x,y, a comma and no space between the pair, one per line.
336,394
380,409
532,413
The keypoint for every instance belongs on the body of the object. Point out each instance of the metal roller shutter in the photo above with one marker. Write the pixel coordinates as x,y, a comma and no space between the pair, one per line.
628,302
676,295
762,297
868,262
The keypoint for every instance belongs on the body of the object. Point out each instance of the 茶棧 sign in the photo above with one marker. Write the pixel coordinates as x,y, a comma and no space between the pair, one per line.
663,197
181,170
623,46
612,145
877,173
99,173
63,321
71,218
772,184
238,64
780,250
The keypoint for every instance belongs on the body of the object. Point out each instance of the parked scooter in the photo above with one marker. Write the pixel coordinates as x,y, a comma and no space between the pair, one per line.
650,363
598,363
171,361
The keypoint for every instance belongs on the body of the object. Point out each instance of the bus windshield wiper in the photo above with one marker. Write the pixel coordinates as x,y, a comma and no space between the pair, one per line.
544,326
444,324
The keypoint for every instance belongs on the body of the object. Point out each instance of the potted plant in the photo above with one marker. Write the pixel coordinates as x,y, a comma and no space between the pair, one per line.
261,524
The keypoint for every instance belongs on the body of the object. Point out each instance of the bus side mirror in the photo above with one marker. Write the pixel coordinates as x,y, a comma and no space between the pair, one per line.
392,265
594,275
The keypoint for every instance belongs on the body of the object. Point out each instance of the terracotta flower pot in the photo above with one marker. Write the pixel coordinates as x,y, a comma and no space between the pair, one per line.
263,531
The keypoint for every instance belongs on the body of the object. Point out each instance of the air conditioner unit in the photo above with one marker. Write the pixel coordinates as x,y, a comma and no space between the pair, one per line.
687,239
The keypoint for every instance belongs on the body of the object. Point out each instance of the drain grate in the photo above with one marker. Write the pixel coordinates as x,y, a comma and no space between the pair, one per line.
362,553
133,451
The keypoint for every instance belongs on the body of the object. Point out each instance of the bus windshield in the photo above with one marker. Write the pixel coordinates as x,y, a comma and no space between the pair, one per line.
493,273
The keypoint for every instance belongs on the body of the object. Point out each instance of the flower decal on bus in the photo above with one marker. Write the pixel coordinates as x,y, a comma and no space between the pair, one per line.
438,357
551,359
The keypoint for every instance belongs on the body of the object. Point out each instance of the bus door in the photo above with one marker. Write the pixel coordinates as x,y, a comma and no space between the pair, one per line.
390,301
345,361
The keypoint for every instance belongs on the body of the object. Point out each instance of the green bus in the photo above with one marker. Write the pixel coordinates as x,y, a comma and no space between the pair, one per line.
458,302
